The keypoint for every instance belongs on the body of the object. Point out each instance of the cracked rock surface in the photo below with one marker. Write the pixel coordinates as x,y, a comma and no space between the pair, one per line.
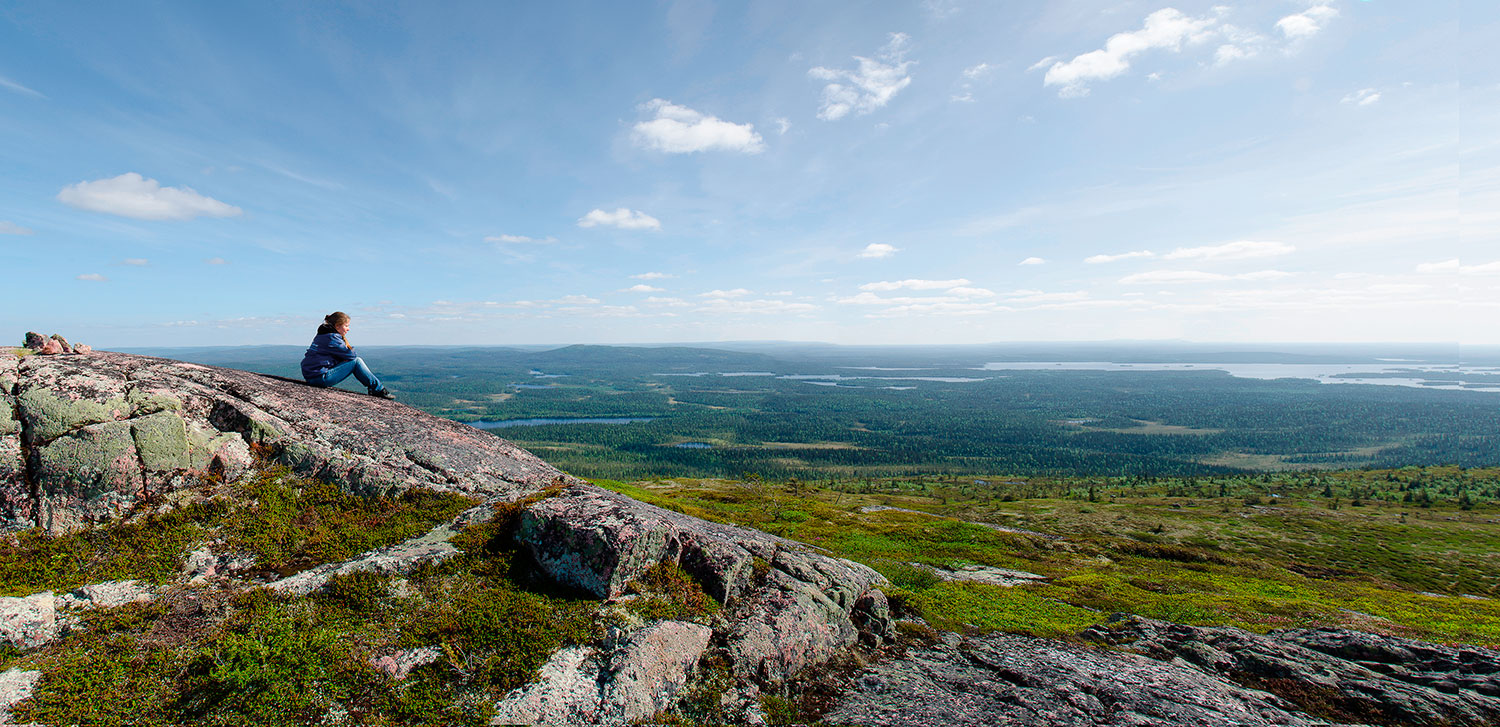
1145,672
84,439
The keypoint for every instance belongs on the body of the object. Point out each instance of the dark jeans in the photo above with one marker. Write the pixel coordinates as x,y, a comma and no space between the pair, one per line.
340,372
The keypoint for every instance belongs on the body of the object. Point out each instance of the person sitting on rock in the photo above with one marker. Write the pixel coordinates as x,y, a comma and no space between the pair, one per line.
330,360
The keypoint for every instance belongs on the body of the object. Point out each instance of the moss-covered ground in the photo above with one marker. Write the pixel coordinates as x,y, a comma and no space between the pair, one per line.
236,654
1337,549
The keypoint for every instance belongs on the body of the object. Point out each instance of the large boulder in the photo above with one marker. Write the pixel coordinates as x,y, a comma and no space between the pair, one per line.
86,439
788,607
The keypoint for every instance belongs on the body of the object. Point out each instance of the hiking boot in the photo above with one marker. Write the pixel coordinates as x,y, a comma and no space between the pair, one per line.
383,394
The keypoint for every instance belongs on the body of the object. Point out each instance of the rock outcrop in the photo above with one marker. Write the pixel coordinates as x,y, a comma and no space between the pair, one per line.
1147,672
85,439
787,607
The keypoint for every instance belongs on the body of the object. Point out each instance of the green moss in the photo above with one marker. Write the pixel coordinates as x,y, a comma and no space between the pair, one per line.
151,549
90,462
961,606
292,523
668,593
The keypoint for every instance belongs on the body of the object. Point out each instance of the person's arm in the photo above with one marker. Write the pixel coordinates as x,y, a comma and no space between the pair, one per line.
337,349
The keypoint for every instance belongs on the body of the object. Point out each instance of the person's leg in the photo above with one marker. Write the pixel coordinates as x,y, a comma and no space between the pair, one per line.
333,375
365,375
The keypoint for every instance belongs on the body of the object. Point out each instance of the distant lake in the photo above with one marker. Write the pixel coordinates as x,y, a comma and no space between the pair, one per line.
1426,376
693,445
506,423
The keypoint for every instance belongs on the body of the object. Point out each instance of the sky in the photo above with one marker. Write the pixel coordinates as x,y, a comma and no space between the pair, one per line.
938,171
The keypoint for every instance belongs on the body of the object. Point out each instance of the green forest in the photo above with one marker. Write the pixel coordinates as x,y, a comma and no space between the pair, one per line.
846,413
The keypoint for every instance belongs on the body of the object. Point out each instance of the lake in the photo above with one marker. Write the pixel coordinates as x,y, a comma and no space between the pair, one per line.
1380,375
506,423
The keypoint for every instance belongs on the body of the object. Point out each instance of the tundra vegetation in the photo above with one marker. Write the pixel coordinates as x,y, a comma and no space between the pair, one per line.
1259,552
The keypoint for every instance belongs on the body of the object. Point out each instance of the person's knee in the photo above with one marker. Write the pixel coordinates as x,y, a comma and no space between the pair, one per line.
359,361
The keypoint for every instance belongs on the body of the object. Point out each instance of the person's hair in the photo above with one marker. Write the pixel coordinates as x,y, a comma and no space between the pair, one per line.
336,318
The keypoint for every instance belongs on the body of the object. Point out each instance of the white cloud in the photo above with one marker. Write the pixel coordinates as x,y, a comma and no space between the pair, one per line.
622,218
681,130
94,277
915,284
1097,259
11,228
783,125
1362,97
577,300
216,261
1032,261
652,276
877,250
722,306
966,292
642,288
1306,23
1037,296
18,88
1167,29
1451,267
138,262
1229,53
672,302
1239,250
131,195
736,293
974,72
1198,276
871,87
520,240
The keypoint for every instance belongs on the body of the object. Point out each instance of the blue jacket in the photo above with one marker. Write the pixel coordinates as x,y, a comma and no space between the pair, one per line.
327,350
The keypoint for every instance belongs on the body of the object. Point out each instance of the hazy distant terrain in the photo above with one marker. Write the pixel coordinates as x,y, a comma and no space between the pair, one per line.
804,410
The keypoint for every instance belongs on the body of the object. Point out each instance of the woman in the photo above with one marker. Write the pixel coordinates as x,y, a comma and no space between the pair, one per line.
330,360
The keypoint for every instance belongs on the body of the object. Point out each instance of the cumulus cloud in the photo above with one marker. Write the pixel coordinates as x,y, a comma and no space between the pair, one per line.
1362,97
671,302
652,276
877,250
915,284
736,293
681,130
870,87
1166,29
520,240
131,195
93,277
11,228
1032,261
967,292
642,288
1198,276
1308,22
1239,250
1097,259
622,218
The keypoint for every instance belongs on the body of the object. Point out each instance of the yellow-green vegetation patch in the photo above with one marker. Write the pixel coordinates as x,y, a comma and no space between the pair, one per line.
960,606
292,523
151,549
1231,554
668,593
215,657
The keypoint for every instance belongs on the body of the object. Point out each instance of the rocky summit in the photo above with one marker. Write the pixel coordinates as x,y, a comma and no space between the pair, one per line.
88,441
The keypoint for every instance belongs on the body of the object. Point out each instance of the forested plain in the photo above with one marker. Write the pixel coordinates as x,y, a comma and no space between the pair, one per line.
785,411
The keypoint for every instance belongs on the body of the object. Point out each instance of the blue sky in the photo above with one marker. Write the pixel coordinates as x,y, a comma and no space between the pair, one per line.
877,172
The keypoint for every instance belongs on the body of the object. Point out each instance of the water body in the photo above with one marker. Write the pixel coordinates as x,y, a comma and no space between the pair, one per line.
507,423
824,379
1449,377
693,445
